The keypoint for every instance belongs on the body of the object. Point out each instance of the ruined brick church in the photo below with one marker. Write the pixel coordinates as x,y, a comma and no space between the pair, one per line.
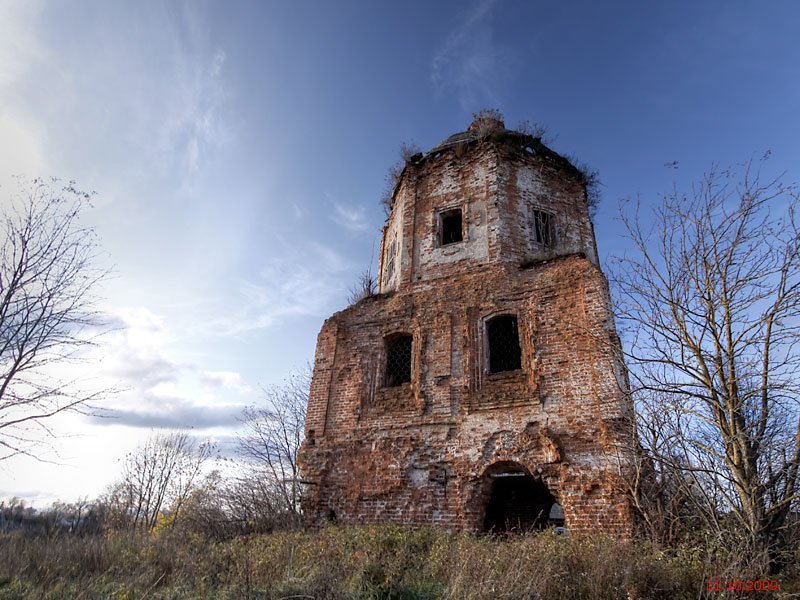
481,388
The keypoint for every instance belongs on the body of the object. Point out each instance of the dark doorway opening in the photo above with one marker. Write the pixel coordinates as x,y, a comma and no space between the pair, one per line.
517,502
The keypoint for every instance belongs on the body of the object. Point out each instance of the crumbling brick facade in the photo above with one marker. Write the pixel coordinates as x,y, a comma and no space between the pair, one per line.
514,397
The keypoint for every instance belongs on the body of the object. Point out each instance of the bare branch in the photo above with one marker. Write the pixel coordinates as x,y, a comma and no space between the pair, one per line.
47,311
271,437
710,311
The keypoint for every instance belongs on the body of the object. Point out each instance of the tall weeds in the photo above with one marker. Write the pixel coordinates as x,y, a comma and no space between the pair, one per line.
368,563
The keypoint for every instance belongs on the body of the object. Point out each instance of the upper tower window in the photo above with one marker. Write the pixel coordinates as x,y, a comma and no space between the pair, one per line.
504,352
543,229
390,254
398,360
450,227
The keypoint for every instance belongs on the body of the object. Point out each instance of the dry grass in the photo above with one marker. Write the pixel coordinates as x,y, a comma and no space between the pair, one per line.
356,563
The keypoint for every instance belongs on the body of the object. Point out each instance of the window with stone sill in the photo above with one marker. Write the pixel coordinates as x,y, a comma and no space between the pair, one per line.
398,360
503,344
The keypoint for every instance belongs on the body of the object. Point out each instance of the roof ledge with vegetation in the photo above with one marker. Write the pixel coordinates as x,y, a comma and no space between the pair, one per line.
488,125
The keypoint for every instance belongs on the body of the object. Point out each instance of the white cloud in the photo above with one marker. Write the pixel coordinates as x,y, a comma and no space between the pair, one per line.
225,379
160,391
133,353
302,280
350,217
469,62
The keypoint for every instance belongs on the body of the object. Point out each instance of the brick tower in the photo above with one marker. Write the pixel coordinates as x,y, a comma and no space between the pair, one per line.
481,389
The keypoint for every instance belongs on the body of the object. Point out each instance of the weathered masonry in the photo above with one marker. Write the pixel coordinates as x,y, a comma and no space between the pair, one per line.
481,388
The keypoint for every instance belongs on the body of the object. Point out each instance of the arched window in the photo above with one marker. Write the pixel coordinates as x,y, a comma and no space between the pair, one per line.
398,360
504,352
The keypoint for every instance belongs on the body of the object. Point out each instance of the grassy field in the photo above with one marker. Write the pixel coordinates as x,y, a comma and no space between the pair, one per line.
384,562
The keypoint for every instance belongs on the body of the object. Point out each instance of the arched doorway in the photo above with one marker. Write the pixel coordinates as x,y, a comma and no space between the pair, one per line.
515,501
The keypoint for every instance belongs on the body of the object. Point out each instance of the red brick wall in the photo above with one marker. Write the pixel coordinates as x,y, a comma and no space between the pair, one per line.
417,453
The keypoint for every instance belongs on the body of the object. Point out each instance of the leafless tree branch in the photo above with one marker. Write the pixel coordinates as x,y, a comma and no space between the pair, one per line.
710,310
48,317
271,437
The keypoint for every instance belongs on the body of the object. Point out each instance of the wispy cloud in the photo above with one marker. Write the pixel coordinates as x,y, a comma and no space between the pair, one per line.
352,218
156,93
302,280
193,121
299,210
469,63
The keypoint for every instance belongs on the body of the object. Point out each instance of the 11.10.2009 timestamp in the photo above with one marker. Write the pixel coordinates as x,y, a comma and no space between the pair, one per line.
742,585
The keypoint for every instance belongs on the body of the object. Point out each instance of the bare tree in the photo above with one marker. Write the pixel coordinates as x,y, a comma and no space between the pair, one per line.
710,307
365,287
665,495
535,129
271,438
224,508
157,478
14,513
47,275
488,121
407,151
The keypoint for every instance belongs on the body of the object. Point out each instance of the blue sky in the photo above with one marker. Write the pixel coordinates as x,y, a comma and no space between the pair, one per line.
239,150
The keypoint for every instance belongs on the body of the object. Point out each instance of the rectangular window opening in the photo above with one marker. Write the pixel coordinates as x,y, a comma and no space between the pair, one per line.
450,227
398,360
543,228
390,254
504,350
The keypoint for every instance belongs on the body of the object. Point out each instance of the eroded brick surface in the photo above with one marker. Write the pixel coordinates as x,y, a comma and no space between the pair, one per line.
426,451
